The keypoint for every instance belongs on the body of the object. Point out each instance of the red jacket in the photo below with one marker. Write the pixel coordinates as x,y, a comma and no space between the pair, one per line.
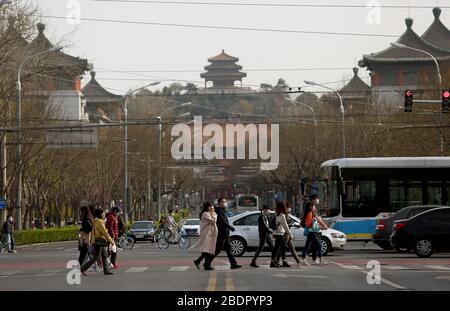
112,226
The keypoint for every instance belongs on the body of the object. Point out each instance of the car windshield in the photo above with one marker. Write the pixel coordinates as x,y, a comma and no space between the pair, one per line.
192,222
142,225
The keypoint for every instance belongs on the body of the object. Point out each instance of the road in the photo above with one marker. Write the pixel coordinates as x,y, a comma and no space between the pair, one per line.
148,268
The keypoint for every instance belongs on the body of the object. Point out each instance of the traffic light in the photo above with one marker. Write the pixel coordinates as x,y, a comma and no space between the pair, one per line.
409,94
446,101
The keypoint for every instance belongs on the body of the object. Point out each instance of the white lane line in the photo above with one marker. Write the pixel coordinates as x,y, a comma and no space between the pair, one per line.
221,268
383,280
10,272
179,268
394,267
439,268
70,250
350,267
136,269
43,274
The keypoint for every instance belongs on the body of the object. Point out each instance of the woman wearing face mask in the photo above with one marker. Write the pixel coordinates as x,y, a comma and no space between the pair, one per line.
309,219
208,235
264,233
289,239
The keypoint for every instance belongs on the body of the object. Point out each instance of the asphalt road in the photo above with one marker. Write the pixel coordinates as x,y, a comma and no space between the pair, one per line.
148,268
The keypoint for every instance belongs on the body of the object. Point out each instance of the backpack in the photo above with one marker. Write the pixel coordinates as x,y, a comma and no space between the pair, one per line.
273,223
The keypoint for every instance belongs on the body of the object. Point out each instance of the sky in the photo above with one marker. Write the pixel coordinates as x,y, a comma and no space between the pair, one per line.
127,56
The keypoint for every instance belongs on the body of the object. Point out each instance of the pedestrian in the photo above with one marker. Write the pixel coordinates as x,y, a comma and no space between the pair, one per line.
223,236
113,231
312,225
85,233
208,235
100,239
8,229
121,223
290,242
280,227
265,233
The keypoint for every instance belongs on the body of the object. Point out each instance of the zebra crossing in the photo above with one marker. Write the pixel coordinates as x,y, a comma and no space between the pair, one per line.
219,268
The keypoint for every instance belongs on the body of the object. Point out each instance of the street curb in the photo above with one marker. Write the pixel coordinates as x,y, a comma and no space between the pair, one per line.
44,244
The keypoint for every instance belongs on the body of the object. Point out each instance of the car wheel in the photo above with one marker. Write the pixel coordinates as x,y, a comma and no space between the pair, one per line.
238,246
326,246
423,248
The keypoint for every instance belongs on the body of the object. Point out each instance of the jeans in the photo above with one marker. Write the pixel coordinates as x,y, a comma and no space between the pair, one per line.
99,252
84,250
280,248
314,239
291,246
10,242
262,242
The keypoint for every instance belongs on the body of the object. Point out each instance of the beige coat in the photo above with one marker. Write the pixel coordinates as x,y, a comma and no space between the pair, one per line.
208,233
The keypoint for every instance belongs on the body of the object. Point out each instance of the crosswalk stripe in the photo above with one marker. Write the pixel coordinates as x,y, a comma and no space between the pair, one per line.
395,267
136,269
179,268
438,267
8,273
350,267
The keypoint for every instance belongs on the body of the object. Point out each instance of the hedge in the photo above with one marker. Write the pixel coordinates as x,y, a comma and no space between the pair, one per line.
25,237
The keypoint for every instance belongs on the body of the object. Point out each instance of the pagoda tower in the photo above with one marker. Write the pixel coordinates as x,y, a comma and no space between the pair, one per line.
223,71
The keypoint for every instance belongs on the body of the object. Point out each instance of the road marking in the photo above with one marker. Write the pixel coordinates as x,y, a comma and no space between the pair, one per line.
136,269
284,276
350,267
70,250
43,274
10,272
395,268
222,268
438,268
179,268
212,282
383,280
443,277
195,244
229,284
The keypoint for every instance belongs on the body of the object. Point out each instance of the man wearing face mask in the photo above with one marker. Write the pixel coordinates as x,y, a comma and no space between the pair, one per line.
8,229
223,236
264,233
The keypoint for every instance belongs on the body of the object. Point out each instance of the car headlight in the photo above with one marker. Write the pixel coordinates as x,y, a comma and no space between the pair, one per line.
338,235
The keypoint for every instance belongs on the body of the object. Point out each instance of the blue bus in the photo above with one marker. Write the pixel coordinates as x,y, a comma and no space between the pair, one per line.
354,192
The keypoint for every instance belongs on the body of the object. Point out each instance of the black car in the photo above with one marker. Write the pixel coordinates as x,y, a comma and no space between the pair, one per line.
142,230
424,233
384,225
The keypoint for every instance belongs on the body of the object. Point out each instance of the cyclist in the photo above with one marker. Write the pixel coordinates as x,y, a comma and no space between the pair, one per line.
171,225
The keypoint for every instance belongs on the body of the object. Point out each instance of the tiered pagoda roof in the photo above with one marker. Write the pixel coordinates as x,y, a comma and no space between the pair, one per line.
437,34
355,88
223,71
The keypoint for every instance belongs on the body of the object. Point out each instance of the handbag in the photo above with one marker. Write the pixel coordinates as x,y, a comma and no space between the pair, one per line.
315,226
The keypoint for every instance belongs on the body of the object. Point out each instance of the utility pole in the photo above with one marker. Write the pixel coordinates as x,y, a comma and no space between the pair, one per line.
3,173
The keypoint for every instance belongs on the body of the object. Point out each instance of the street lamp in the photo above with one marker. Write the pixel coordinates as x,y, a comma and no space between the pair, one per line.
159,119
19,134
310,109
125,142
341,108
439,76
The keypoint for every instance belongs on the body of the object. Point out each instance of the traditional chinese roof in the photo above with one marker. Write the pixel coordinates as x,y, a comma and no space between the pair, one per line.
356,87
223,57
95,93
223,75
437,34
77,65
395,54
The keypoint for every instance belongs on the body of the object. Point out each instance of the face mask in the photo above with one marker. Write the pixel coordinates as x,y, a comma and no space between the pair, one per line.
289,210
266,212
317,201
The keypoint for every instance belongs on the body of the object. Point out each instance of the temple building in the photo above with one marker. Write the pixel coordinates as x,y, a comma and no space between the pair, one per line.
223,73
396,69
102,105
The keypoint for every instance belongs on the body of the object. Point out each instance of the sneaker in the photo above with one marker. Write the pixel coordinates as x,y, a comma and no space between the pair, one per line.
304,261
316,262
286,265
12,252
197,264
115,266
323,262
236,266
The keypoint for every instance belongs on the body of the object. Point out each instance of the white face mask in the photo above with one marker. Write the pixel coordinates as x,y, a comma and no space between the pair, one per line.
317,201
289,210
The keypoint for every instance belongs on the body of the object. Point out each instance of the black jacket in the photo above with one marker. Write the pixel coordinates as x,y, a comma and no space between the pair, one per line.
263,227
86,224
223,224
7,227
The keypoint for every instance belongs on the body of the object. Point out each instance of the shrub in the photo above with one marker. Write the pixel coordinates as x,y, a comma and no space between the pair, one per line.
32,236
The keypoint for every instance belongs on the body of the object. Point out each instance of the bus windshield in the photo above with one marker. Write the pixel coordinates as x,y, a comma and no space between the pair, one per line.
329,197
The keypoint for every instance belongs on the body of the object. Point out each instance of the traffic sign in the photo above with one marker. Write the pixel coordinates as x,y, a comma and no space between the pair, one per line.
409,95
2,203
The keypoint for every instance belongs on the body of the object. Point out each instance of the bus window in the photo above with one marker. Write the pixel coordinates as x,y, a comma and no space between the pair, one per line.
405,193
359,199
329,199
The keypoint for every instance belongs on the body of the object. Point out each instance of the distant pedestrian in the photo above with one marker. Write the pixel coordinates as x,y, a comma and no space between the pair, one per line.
121,223
208,235
100,239
280,233
8,230
171,225
223,236
85,233
265,233
113,231
312,225
290,241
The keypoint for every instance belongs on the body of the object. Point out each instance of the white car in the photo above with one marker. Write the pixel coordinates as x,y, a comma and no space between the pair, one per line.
191,227
246,235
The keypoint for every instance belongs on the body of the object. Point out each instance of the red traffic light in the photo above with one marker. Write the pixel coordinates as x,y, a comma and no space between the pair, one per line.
446,94
409,93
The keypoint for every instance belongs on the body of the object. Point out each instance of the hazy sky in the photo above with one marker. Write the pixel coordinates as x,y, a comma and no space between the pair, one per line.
138,47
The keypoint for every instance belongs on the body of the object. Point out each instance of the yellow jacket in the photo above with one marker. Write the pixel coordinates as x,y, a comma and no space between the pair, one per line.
99,231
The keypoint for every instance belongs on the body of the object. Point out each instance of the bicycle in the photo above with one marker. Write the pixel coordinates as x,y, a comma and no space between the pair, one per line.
125,242
163,240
